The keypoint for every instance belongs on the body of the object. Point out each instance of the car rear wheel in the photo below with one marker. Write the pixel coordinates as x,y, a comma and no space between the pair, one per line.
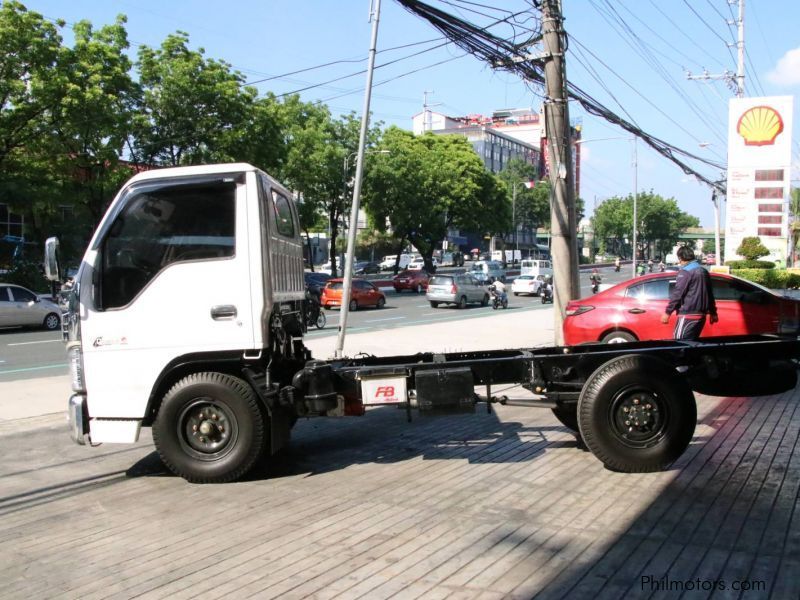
51,321
353,306
381,303
618,337
417,288
434,304
516,293
485,301
463,302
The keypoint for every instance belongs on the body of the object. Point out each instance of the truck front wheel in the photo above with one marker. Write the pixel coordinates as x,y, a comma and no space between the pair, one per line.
210,428
636,414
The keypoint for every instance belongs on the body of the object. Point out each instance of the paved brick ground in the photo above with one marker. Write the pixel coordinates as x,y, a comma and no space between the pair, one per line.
500,505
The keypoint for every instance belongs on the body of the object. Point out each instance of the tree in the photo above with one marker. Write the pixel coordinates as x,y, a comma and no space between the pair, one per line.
794,225
429,183
751,248
530,206
192,107
660,221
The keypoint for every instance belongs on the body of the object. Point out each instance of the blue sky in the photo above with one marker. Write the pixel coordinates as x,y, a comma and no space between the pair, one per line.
631,55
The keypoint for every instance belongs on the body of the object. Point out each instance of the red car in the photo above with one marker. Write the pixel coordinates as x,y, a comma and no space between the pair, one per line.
632,311
363,293
416,281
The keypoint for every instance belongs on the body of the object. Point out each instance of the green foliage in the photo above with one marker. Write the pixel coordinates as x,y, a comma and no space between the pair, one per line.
27,273
428,183
660,221
750,264
770,278
752,248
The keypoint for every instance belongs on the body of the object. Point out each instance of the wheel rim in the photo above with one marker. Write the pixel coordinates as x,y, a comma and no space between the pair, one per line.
462,303
353,305
321,320
51,322
618,339
207,429
638,416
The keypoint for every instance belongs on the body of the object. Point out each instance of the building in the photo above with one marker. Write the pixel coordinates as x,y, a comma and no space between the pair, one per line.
506,134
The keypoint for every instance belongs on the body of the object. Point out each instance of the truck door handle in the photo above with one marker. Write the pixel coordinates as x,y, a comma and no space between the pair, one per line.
223,312
637,311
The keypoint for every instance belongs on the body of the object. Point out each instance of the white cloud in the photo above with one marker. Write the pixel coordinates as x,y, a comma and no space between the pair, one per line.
787,71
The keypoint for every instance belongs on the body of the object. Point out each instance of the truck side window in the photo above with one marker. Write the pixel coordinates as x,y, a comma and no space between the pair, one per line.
283,214
162,226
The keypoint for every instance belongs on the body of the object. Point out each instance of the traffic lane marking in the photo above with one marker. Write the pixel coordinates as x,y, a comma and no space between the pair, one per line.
386,319
39,342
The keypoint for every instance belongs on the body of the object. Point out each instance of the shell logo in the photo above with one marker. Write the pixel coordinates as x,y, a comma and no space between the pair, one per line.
759,126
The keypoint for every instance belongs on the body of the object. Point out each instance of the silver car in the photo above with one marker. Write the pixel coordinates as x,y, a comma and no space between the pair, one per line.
488,271
459,289
21,307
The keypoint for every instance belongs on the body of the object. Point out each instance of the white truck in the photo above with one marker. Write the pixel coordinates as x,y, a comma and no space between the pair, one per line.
187,316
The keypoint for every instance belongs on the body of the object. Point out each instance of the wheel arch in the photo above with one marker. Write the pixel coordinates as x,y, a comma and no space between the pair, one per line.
229,363
611,330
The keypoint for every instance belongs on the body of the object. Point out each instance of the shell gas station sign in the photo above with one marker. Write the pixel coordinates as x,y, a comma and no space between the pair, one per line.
759,173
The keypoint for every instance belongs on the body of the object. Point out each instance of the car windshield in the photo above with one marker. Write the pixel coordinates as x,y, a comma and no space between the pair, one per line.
335,285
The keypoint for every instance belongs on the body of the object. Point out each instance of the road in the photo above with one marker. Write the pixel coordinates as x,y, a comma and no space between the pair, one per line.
27,354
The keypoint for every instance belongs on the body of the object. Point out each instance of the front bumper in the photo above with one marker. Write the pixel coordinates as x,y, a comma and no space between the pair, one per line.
78,418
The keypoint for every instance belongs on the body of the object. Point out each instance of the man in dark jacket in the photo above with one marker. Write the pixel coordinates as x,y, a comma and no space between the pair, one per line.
692,298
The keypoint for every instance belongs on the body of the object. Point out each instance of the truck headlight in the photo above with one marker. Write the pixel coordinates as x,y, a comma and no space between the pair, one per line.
75,359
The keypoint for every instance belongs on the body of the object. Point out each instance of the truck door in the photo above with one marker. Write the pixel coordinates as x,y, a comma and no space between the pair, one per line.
168,276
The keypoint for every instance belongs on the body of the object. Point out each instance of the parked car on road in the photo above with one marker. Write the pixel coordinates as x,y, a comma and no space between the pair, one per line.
363,293
459,289
488,271
366,268
632,310
527,284
416,281
21,307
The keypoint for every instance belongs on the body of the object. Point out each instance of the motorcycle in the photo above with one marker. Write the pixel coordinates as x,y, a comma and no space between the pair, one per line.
546,293
312,312
498,299
595,285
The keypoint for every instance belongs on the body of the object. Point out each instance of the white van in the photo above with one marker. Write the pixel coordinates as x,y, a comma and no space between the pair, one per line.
534,267
388,261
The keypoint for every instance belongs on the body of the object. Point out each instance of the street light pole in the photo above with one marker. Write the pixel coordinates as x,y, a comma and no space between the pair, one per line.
635,185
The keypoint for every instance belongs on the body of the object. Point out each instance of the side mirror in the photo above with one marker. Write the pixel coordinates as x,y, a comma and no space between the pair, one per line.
51,270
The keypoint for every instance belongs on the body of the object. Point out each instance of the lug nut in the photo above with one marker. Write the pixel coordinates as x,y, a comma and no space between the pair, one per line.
194,427
214,416
636,401
625,409
202,439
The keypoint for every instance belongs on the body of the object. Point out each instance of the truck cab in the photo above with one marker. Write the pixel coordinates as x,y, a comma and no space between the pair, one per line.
190,266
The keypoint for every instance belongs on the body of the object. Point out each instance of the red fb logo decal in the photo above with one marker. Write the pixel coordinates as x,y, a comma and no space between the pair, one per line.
387,391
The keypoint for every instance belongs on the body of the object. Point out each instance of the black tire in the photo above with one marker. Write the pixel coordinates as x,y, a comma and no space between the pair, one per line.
353,306
544,301
380,303
417,288
494,304
462,303
210,428
434,304
618,337
567,416
516,293
636,414
321,320
485,301
51,322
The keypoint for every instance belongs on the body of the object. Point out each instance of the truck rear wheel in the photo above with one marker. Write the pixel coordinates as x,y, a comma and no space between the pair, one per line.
210,428
636,414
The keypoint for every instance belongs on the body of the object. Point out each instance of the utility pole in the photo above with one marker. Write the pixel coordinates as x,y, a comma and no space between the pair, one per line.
427,120
735,80
563,226
375,12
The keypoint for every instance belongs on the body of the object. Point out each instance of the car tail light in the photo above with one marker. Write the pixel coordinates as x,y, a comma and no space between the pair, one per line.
574,309
453,289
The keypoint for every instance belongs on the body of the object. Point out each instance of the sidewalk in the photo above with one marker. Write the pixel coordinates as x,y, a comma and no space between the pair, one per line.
502,329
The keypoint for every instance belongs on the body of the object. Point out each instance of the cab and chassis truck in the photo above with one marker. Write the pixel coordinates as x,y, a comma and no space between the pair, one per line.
186,316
